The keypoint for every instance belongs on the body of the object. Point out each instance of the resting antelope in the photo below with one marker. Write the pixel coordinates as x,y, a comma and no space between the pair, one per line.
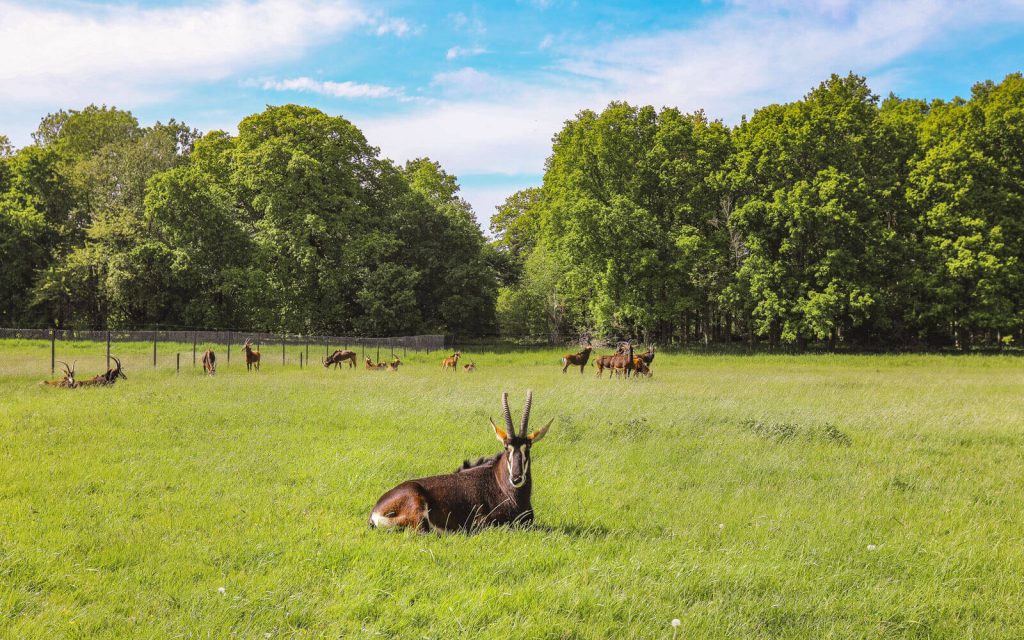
338,357
574,359
110,377
394,364
380,366
469,368
451,361
252,358
491,491
209,362
66,382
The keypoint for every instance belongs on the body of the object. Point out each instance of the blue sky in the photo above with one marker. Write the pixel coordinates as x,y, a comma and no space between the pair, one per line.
481,86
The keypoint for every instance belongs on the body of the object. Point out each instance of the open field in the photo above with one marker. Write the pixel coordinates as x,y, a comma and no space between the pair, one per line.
765,496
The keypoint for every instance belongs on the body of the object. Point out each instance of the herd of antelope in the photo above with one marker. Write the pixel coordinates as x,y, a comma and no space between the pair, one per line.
621,363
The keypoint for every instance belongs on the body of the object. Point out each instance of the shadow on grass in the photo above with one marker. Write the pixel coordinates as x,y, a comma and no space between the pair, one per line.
573,530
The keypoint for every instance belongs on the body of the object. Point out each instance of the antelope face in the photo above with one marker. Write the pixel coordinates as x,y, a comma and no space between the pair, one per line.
517,445
517,458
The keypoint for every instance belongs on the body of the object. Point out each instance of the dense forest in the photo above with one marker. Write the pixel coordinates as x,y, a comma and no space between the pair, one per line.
840,219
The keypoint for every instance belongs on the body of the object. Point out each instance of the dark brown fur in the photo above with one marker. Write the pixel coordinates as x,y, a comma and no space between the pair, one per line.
108,378
209,362
576,359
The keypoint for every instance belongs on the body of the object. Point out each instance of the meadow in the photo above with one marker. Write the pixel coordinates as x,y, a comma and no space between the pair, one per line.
746,496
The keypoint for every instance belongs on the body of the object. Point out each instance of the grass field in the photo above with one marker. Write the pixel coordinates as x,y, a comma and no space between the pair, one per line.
762,497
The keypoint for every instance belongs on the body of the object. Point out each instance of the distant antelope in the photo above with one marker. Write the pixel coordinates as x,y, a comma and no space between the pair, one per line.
451,361
209,362
380,366
491,491
469,368
619,362
394,364
108,378
252,358
648,356
574,359
339,356
67,381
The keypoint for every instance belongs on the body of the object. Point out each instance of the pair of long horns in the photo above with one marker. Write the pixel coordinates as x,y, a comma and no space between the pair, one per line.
508,414
68,371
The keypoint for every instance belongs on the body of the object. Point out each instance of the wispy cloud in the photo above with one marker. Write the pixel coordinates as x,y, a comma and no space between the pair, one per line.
328,88
462,52
397,26
125,53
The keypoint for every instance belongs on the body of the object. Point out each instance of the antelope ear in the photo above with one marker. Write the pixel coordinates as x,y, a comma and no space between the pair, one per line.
499,433
537,435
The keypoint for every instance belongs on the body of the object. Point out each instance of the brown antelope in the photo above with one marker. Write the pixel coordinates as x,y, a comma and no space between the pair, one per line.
619,362
574,359
252,358
648,356
491,491
469,368
67,381
451,361
380,366
394,364
209,362
640,367
339,356
108,378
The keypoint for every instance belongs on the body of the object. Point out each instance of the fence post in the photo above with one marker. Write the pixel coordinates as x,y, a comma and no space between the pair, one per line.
193,347
177,366
108,348
282,349
300,359
307,352
154,349
53,351
378,350
229,347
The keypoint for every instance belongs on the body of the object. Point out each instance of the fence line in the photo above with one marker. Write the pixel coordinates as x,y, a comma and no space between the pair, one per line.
312,343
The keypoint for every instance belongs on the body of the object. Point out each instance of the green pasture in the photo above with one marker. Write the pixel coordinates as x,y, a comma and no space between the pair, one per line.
747,497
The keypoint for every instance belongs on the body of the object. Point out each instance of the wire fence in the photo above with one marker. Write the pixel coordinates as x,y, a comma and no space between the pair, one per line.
310,347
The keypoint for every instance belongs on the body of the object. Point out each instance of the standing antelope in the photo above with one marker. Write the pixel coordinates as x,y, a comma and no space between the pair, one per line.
110,377
338,357
491,491
209,362
66,382
451,361
574,359
620,361
252,358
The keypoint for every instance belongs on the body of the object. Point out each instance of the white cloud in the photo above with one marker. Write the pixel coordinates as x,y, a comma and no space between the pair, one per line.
329,88
125,53
397,26
462,52
546,42
465,80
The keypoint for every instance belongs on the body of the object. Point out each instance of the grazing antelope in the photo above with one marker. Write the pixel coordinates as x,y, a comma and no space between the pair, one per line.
574,359
619,362
491,491
469,368
67,381
108,378
339,356
394,364
451,361
209,362
640,368
380,366
252,358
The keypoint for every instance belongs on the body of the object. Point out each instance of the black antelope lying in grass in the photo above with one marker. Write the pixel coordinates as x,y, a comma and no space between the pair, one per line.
339,356
576,359
108,378
67,381
491,491
209,362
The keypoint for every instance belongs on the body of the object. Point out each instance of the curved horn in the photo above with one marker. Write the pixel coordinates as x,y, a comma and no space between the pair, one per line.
508,414
526,413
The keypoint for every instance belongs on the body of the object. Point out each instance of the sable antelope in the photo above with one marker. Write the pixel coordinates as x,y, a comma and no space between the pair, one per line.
67,381
338,357
469,368
491,491
380,366
620,361
573,359
451,361
648,356
252,358
110,377
393,365
640,367
209,362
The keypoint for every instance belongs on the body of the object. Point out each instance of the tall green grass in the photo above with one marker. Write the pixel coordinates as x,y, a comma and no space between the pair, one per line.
765,497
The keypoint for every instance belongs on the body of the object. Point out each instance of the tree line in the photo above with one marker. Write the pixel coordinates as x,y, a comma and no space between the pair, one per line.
840,219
